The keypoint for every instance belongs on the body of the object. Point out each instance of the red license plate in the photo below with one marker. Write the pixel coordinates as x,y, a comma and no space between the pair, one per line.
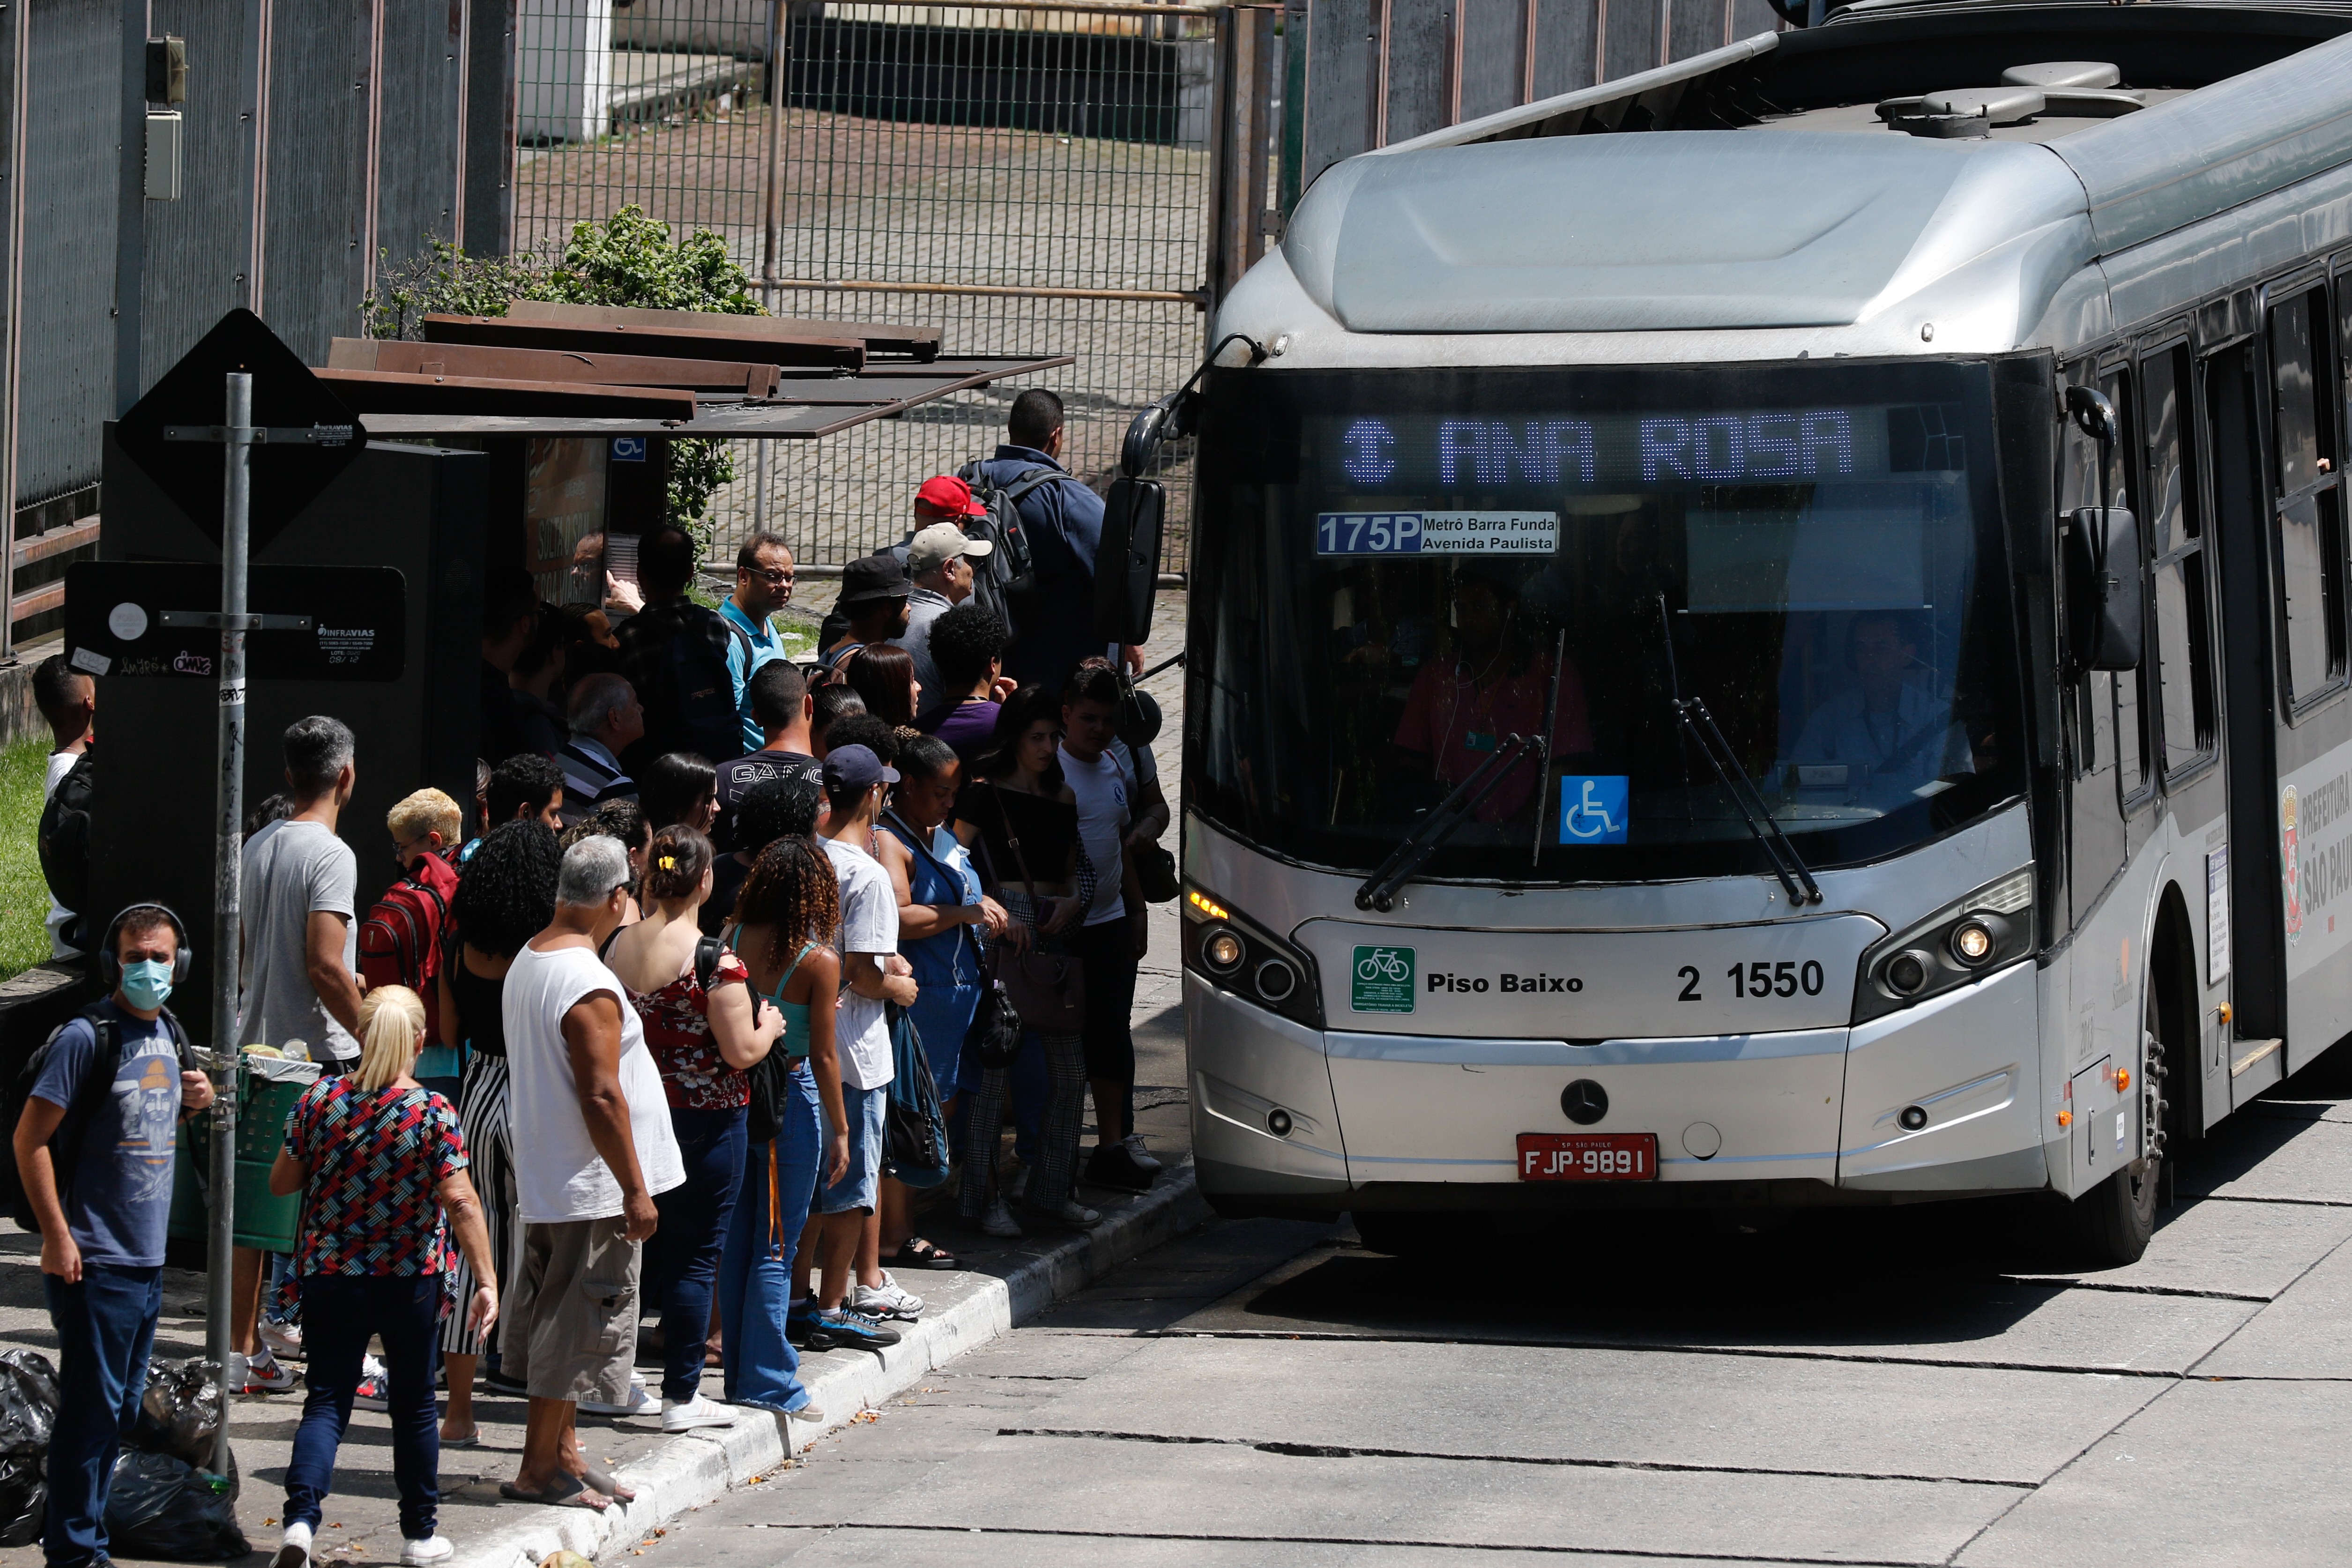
1588,1157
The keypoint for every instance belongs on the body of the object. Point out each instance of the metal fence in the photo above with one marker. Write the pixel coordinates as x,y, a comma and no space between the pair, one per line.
1032,177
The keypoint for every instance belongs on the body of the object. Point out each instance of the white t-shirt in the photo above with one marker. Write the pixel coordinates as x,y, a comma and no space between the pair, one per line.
1104,787
869,923
60,764
558,1172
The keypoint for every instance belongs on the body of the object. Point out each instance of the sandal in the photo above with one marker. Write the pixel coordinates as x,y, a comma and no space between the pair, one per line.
917,1253
602,1481
556,1496
472,1439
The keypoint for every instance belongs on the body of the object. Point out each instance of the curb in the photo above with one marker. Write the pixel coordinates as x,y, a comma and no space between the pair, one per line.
697,1468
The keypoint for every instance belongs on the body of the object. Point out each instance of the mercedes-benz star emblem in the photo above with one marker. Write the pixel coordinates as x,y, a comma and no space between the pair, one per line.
1584,1101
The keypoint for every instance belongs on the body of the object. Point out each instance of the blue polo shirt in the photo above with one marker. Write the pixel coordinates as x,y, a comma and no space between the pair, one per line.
765,645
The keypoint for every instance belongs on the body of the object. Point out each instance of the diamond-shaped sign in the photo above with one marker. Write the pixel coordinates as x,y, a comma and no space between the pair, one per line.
287,475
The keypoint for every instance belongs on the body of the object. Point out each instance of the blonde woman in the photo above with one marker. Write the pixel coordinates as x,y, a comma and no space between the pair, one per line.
381,1165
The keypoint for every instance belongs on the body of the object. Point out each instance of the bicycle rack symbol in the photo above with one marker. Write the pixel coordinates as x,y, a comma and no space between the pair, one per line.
1590,809
1383,964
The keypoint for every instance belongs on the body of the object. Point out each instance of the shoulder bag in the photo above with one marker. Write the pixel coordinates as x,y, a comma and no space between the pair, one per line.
1048,990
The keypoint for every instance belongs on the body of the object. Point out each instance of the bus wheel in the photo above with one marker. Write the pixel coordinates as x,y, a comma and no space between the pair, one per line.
1406,1235
2111,1224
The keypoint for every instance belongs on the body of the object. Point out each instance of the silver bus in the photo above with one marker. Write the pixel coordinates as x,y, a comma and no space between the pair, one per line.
1775,632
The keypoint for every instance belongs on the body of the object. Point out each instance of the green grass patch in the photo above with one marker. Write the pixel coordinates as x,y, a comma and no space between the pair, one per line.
24,895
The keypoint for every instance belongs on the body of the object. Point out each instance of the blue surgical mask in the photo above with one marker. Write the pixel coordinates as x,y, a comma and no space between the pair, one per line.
146,983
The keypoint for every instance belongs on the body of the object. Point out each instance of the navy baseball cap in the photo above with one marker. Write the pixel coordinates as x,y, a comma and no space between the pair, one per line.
856,767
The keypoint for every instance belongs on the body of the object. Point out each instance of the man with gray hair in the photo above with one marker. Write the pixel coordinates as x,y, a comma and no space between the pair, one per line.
301,952
584,1098
606,717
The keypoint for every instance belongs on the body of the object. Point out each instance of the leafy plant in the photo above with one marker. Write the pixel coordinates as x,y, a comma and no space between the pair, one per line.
629,259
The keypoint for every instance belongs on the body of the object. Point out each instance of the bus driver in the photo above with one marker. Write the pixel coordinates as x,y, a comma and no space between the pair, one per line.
1462,707
1896,733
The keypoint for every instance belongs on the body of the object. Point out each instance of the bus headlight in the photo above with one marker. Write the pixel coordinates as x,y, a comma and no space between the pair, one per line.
1241,958
1990,926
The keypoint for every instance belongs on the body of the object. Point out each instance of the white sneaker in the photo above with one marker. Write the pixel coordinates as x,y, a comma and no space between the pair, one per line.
1073,1212
294,1548
1133,1144
265,1373
433,1549
640,1401
810,1412
285,1339
1000,1220
887,1300
685,1415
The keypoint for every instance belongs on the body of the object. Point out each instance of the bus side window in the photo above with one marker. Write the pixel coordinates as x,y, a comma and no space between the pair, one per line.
2104,698
2174,521
2308,492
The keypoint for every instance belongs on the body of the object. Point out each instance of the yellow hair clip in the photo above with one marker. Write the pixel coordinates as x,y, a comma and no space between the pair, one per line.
670,862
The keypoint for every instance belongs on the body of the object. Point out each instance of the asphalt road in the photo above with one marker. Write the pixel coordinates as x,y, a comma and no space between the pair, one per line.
1910,1388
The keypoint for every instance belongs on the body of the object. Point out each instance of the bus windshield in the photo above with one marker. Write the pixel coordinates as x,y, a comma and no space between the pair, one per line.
1396,572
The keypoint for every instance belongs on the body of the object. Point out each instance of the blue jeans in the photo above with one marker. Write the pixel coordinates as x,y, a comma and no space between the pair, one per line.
755,1271
341,1312
855,1189
106,1326
694,1217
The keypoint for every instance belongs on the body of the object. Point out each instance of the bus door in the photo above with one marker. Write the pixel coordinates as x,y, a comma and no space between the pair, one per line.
2248,1046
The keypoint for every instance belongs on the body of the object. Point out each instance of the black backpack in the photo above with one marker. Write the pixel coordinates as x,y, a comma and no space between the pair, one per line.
676,657
64,842
64,1143
1009,586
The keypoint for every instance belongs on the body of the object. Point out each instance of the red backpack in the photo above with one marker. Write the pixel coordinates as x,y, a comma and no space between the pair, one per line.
401,940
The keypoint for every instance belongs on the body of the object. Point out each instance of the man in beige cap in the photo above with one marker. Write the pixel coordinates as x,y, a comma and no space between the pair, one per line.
940,562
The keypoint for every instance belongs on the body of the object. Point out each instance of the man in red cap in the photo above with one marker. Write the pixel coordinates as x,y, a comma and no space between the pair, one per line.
944,498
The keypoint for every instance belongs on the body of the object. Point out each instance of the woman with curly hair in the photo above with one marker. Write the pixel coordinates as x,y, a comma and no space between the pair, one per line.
506,895
785,917
884,675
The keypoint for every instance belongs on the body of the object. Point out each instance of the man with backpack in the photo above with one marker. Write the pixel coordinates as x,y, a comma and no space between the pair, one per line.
401,939
96,1115
1050,524
67,699
677,654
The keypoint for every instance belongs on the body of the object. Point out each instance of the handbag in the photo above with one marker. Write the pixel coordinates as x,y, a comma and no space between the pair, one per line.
914,1126
997,1030
1047,990
1155,872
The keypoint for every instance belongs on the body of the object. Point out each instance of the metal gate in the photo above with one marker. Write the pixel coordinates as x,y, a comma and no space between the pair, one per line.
1032,177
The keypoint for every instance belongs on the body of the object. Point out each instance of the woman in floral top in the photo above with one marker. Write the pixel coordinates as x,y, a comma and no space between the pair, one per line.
381,1165
694,1000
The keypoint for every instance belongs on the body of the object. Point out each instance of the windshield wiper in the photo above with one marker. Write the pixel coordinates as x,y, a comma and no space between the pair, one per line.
1699,725
1380,889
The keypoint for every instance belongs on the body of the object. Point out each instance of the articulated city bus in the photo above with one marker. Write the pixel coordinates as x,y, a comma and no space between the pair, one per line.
1775,632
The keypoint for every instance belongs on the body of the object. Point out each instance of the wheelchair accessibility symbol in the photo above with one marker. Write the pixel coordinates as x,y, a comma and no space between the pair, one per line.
1592,808
628,449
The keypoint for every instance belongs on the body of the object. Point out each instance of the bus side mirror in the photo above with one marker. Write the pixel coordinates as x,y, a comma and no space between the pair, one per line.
2103,588
1127,561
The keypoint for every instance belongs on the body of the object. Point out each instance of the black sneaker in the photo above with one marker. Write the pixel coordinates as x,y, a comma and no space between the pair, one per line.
498,1381
1112,1167
855,1331
805,1330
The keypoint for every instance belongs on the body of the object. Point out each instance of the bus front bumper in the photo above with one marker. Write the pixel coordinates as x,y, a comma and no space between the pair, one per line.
1938,1100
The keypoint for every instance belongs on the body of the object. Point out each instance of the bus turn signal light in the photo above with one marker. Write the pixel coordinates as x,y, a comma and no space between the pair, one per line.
2065,1118
2123,1079
1205,905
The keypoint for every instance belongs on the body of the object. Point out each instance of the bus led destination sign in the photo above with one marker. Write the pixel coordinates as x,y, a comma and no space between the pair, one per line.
1436,533
1419,454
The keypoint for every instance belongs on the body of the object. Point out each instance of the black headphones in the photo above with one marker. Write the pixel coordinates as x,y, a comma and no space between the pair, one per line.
109,954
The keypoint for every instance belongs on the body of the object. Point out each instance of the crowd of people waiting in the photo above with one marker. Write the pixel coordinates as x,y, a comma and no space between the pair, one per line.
630,1039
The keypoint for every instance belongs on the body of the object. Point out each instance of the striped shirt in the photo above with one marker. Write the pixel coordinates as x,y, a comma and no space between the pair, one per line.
592,776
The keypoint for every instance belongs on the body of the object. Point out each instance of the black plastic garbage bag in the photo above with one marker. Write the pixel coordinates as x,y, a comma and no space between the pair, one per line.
179,1411
160,1507
28,1402
24,1499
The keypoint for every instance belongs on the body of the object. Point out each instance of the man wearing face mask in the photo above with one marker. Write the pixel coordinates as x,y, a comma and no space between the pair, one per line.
94,1148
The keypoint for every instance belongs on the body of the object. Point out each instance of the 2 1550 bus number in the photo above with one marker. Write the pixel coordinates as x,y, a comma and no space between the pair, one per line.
1759,979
